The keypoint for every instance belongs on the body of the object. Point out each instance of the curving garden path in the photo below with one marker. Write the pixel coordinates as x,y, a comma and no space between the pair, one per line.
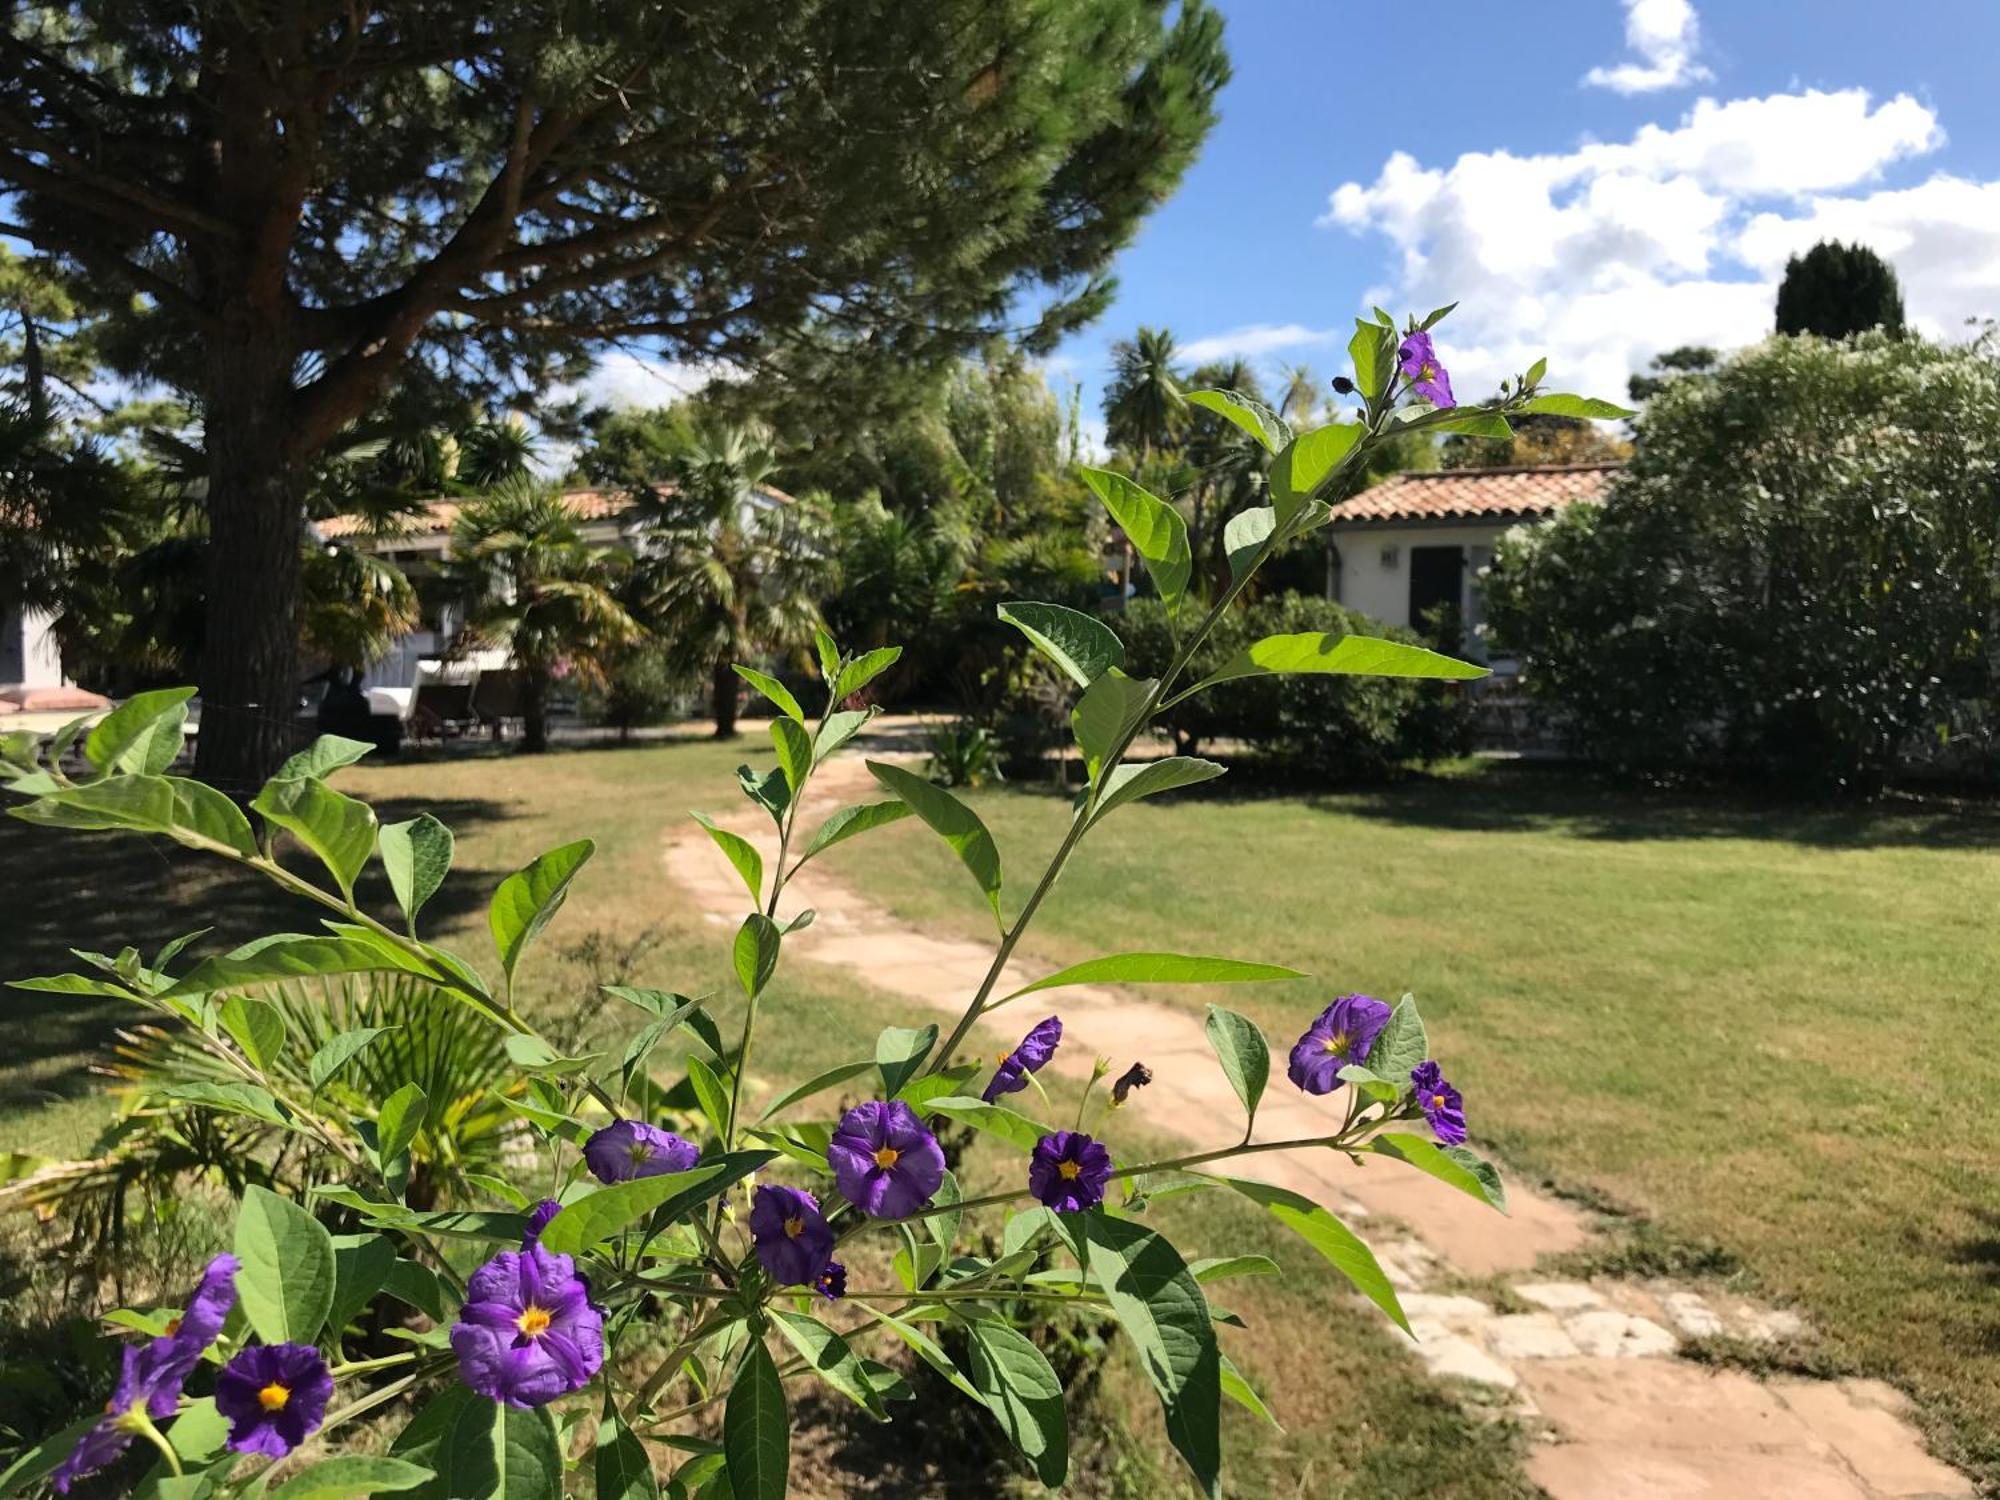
1593,1368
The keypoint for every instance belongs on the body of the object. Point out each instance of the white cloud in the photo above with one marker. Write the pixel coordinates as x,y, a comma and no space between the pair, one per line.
1665,34
624,378
1254,339
1604,256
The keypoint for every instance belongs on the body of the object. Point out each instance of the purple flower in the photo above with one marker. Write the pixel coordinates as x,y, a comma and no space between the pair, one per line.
1069,1171
832,1283
794,1242
625,1149
1010,1076
1429,379
886,1163
538,1220
528,1332
152,1374
1442,1104
274,1396
1342,1034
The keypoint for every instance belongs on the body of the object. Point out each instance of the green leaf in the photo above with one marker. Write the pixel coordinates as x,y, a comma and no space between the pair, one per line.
1225,1268
771,791
795,750
1401,1045
295,955
863,670
756,1429
231,1098
711,1091
1107,713
1372,350
141,735
1083,646
418,1286
899,1052
201,810
1437,316
1133,781
771,688
1484,424
1305,464
1535,373
829,655
995,1119
361,1264
1465,1170
756,952
1155,528
334,826
623,1470
353,1476
1244,535
417,856
402,1116
493,1452
286,1284
828,1356
954,822
1556,404
1239,1390
1355,655
141,804
1160,1306
1243,1052
739,851
814,1085
927,1348
1263,424
1017,1385
850,821
257,1026
836,729
597,1216
1333,1239
528,898
1159,968
537,1055
323,757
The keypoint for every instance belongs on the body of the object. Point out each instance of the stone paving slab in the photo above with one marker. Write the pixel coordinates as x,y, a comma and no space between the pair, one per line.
1593,1366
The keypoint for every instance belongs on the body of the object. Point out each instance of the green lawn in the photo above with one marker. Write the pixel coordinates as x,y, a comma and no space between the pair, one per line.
1360,1416
1777,1030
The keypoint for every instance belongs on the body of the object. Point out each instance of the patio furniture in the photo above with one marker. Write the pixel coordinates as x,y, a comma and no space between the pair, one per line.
500,695
441,708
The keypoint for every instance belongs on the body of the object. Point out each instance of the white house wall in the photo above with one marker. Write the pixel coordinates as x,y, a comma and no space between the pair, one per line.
1374,574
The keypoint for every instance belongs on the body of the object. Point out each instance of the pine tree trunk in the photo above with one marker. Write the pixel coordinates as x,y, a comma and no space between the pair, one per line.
722,697
256,511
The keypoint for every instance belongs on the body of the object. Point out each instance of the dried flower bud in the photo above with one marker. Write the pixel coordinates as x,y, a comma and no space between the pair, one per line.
1135,1077
1342,386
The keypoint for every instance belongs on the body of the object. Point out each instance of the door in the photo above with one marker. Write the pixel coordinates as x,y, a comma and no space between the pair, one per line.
1437,583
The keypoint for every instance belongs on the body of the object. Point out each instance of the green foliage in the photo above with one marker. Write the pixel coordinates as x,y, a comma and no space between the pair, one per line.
1334,726
1835,290
397,1119
963,753
1796,575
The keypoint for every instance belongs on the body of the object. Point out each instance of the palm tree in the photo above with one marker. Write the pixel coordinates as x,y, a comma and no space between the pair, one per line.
1301,398
733,574
1228,463
1143,411
528,582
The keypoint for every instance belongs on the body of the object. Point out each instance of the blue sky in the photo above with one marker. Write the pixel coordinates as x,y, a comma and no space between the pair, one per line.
1599,221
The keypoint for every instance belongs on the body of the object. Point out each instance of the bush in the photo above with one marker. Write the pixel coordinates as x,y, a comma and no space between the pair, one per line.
1795,576
1332,727
639,687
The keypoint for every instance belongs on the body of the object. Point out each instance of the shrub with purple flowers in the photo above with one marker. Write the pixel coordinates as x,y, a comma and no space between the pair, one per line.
702,1248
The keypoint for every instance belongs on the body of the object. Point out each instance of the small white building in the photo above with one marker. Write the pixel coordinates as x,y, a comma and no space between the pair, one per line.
1418,541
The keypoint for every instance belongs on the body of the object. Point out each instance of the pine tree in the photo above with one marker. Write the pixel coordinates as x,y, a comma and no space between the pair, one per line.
307,203
1834,290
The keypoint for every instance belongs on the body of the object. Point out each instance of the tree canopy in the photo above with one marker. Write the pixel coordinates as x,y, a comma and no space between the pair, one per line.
316,202
1835,290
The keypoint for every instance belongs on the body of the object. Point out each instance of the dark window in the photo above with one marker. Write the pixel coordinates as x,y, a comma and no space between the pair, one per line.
1437,594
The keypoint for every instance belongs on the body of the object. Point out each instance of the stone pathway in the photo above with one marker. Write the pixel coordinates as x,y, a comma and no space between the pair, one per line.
1592,1368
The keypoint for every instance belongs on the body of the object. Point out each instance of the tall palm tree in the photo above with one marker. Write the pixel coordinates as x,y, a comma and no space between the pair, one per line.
734,573
1144,414
1301,398
527,581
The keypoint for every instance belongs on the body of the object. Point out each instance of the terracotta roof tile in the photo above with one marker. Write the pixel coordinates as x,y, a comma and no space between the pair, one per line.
585,505
1476,494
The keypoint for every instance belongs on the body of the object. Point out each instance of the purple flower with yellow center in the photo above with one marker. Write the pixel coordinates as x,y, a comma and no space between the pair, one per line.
1418,359
626,1149
1342,1034
1068,1172
1442,1104
274,1396
886,1163
794,1242
151,1375
1010,1074
832,1283
528,1332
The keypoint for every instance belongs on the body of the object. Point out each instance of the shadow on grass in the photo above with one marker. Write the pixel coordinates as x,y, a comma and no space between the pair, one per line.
105,891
